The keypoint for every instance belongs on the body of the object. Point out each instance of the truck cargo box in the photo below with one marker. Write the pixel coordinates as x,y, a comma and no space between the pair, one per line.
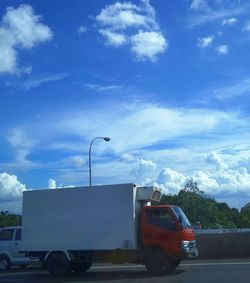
84,218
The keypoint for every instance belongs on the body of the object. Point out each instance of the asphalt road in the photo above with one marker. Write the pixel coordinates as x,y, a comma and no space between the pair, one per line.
195,271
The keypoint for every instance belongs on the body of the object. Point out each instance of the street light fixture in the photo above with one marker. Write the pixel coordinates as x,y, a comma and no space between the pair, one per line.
90,147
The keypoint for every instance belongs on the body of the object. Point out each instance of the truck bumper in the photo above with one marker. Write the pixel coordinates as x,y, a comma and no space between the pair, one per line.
188,249
190,254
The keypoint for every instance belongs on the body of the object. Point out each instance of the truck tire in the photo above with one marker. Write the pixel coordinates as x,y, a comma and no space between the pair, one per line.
157,262
58,264
4,263
81,267
175,263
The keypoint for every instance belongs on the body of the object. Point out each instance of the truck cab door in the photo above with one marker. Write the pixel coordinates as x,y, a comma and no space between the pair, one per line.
6,241
159,228
16,243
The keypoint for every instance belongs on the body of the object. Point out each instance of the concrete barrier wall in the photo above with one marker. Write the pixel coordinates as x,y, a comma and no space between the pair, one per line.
223,245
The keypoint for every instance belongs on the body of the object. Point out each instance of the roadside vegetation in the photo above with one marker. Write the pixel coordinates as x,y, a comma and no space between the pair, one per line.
205,212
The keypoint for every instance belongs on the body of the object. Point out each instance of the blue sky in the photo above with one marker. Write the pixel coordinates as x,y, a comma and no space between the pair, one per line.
167,81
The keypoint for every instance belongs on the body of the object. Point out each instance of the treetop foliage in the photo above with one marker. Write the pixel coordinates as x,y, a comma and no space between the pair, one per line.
206,212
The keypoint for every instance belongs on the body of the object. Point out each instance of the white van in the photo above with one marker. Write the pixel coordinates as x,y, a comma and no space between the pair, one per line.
10,239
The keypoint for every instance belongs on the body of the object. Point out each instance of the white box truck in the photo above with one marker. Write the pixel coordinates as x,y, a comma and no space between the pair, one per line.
71,228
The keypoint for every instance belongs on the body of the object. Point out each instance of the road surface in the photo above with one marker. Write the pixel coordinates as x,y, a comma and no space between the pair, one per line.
195,271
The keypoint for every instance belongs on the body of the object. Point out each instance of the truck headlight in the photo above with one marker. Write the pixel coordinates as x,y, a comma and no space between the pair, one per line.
188,245
185,245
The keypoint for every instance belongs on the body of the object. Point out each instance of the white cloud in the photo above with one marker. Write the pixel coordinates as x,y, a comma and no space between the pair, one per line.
127,157
81,30
205,41
144,125
102,88
10,193
113,38
147,45
222,50
77,160
22,146
246,26
227,183
234,89
170,180
146,171
33,83
209,15
20,29
215,159
199,5
134,25
51,184
18,137
192,142
229,22
121,16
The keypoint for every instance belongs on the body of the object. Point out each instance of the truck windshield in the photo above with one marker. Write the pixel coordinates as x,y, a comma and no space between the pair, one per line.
182,217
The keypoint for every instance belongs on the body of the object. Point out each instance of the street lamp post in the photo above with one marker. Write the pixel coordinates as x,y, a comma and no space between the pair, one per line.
90,147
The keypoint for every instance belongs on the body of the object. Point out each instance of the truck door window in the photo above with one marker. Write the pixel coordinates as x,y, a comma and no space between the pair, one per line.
18,235
6,235
160,218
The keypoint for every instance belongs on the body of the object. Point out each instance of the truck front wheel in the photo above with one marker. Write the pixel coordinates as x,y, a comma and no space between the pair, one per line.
157,262
81,267
58,264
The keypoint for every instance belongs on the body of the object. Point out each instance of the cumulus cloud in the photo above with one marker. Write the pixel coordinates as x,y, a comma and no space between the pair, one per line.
11,191
51,184
170,180
113,38
20,29
220,181
134,25
147,45
222,50
205,41
146,171
229,22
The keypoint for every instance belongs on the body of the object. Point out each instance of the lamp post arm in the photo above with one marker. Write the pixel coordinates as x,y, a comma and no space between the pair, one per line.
90,147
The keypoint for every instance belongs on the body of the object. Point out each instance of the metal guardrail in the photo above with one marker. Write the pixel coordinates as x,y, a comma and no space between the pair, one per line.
221,231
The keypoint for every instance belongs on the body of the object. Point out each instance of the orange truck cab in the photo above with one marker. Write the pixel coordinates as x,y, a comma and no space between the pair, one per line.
168,236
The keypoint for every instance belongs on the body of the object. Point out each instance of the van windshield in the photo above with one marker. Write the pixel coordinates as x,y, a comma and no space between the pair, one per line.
182,217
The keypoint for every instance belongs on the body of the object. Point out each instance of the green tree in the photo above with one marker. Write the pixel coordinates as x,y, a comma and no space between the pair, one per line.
245,216
200,208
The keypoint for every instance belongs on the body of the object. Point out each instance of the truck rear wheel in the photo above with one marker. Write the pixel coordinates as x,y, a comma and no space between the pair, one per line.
157,262
58,264
81,267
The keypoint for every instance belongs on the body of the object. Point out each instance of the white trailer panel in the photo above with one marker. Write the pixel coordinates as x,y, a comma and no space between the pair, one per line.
86,218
